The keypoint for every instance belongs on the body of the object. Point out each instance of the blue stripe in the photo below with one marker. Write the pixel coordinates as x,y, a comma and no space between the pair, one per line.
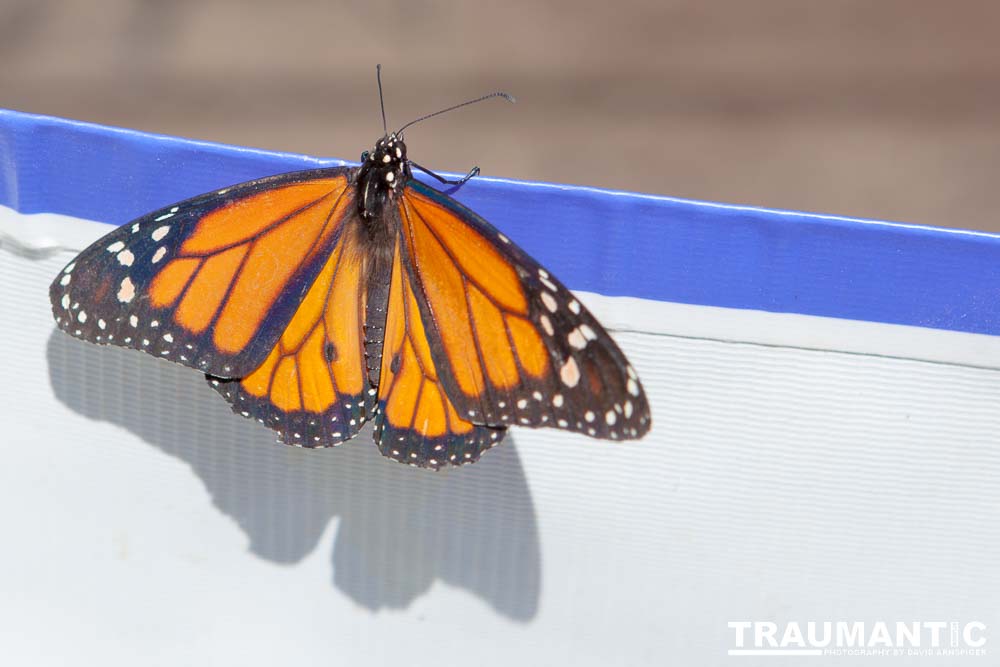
609,242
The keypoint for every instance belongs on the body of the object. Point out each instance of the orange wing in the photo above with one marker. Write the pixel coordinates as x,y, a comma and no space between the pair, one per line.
312,387
417,422
211,282
509,343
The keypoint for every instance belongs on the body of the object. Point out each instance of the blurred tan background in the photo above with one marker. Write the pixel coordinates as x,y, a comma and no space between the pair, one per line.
885,109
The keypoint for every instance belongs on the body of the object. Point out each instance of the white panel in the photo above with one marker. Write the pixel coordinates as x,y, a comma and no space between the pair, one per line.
144,523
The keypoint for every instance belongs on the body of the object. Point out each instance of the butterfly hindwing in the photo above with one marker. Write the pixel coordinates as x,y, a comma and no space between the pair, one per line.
210,282
417,422
511,344
313,387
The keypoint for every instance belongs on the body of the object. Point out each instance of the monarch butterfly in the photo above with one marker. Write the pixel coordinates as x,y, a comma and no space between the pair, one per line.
318,300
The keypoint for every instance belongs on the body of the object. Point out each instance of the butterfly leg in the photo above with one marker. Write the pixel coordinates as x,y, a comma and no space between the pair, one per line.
472,173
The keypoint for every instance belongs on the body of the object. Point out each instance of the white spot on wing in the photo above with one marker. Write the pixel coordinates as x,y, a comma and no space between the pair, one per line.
557,400
116,246
549,301
65,280
633,387
127,290
125,257
574,306
65,301
133,320
610,417
160,232
546,324
81,316
570,373
576,339
158,255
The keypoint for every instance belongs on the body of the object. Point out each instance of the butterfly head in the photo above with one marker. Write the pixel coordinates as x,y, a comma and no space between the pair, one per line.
383,170
390,149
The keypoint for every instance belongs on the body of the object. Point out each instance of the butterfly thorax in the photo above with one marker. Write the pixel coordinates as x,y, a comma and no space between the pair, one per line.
384,172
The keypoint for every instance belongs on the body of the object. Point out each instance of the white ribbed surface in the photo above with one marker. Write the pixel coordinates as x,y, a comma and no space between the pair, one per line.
145,524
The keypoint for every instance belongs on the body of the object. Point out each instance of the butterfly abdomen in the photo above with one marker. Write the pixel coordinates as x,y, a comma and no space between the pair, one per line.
376,300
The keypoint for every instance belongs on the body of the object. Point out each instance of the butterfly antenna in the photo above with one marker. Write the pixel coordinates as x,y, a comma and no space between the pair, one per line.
381,101
509,98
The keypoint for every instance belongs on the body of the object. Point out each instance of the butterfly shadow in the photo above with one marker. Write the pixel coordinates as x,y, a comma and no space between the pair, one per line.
400,528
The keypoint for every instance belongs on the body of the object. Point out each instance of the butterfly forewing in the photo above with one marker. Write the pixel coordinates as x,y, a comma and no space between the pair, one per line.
512,345
211,282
